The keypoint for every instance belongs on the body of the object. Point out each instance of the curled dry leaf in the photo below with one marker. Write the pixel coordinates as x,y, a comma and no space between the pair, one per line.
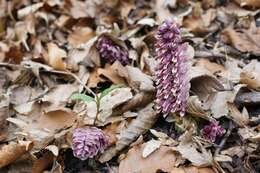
204,85
58,96
144,121
162,11
80,35
250,75
150,147
249,3
42,129
193,150
13,151
55,56
43,162
240,118
219,106
140,99
29,9
201,24
195,108
139,80
244,40
112,72
162,159
249,134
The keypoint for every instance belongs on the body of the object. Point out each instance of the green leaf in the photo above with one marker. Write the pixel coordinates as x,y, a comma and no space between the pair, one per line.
82,97
108,90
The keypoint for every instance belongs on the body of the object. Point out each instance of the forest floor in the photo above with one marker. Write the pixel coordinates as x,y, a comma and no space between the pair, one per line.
99,64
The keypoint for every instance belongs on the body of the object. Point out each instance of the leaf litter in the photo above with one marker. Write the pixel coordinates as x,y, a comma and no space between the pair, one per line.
56,77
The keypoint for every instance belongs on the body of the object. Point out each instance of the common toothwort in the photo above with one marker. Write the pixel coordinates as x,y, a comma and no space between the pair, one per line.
172,85
111,52
87,143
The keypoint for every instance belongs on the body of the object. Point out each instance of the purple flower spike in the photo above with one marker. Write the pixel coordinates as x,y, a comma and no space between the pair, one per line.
111,52
171,73
86,143
212,131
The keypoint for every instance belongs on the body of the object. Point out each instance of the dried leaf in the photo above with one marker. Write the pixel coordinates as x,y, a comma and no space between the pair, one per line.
204,85
250,75
139,100
240,118
80,35
219,106
192,169
162,11
190,152
58,96
29,9
244,40
162,159
144,121
13,151
43,162
55,56
150,147
112,72
54,149
249,3
139,80
196,109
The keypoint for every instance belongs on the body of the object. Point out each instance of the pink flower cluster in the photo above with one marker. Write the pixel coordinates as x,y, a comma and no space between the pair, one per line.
111,52
87,143
212,131
171,73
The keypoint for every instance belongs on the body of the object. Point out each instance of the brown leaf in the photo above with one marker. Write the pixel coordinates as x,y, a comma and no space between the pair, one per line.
112,72
80,35
201,24
43,162
162,11
14,55
111,131
58,96
139,80
194,151
212,67
192,169
55,56
13,151
139,100
251,75
219,105
162,159
195,108
144,121
204,85
56,120
240,118
249,3
244,40
4,113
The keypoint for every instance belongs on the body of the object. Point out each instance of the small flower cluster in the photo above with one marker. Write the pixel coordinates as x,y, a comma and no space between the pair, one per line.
171,73
212,131
86,143
111,52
